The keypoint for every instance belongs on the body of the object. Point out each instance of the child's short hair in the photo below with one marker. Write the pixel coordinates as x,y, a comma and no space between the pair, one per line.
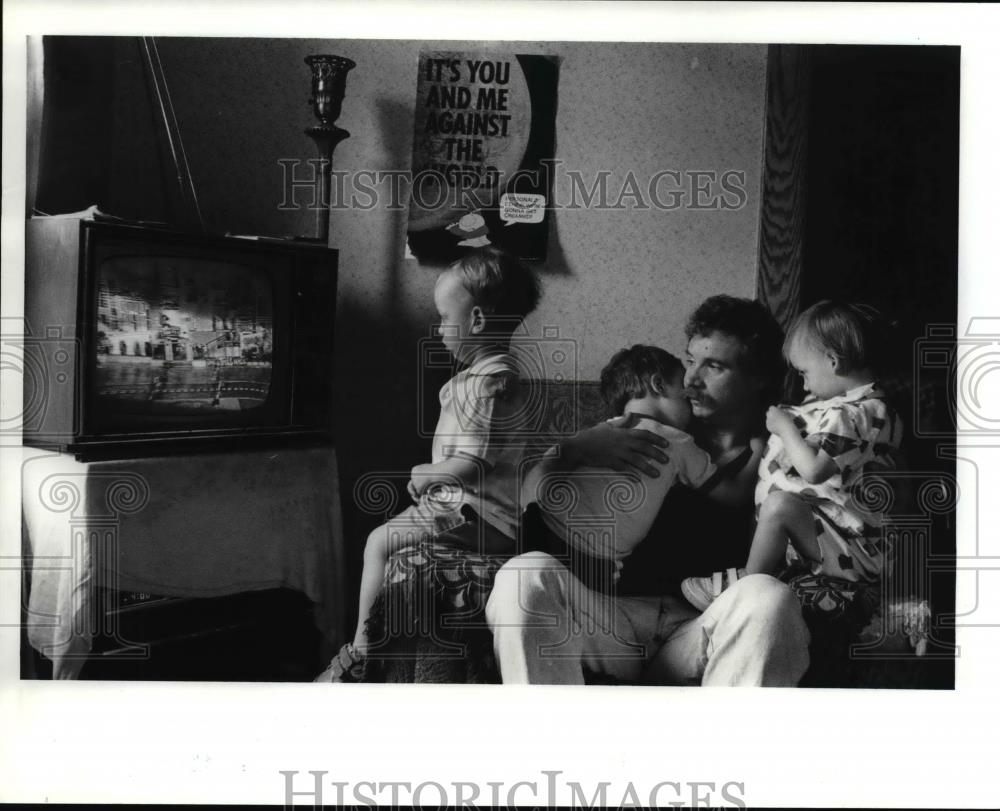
504,288
628,374
855,333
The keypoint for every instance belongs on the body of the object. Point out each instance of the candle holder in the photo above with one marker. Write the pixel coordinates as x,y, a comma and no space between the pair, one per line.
329,81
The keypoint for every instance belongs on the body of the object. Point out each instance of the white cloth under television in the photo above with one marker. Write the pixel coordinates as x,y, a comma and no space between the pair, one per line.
183,526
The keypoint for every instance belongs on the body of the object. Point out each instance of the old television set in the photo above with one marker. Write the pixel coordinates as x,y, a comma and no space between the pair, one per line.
145,341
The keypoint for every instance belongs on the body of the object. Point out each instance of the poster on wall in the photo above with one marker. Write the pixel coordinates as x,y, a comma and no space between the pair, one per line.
484,128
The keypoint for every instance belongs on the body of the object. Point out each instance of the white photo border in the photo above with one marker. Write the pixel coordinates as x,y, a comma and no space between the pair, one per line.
226,743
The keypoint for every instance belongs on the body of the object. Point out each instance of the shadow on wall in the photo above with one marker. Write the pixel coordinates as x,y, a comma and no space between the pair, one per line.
386,410
397,149
556,263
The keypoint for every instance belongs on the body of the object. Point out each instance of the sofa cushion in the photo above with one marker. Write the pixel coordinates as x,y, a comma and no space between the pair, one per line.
427,624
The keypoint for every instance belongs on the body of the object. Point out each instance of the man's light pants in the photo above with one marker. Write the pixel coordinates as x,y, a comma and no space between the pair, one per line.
547,627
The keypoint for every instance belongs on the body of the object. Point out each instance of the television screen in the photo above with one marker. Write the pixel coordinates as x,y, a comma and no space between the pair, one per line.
161,341
182,335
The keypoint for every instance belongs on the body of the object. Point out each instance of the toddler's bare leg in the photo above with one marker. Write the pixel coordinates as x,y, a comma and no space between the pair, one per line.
376,554
403,530
783,517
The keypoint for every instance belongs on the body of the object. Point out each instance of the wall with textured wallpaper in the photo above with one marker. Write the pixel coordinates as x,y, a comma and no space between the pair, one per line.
612,277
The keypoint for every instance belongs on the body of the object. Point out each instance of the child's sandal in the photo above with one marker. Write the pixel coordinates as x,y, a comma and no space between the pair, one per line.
702,591
346,667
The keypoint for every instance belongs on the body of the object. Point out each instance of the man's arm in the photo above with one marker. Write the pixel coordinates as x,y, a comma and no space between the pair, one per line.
615,445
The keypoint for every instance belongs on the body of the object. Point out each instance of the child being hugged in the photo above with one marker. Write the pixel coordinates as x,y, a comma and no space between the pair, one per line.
817,451
469,488
595,517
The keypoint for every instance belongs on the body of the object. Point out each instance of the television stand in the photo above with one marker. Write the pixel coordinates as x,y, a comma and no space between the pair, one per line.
199,527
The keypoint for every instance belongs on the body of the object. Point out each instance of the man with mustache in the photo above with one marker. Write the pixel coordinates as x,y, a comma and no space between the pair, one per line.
548,627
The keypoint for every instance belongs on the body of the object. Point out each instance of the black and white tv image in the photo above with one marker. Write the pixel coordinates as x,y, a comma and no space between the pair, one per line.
171,339
182,336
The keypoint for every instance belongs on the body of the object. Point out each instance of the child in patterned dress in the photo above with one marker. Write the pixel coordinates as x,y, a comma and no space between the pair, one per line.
806,514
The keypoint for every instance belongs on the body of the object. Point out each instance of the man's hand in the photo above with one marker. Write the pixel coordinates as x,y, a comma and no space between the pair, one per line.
617,445
778,422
